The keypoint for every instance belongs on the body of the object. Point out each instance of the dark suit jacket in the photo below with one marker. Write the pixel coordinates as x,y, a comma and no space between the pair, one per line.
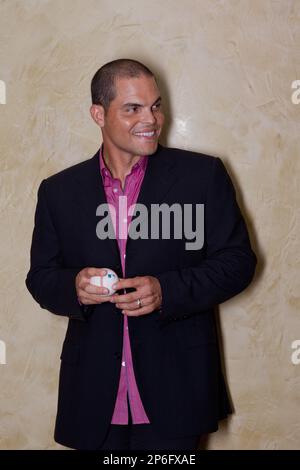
175,351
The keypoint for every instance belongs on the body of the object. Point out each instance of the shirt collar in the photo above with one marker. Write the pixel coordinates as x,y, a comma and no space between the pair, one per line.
140,165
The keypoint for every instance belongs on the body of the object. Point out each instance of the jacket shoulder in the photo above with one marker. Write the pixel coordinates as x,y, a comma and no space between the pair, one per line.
189,161
181,155
71,172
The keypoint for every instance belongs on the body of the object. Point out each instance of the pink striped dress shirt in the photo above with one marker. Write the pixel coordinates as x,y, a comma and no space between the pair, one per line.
113,191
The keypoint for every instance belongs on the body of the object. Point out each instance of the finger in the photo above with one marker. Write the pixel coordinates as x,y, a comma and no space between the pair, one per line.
138,312
91,289
130,282
96,294
131,297
96,272
134,305
93,299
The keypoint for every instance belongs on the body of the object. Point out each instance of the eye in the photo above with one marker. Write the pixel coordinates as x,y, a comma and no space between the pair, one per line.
156,106
132,108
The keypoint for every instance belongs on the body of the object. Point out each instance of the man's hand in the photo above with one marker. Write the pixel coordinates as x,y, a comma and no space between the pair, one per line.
87,293
148,291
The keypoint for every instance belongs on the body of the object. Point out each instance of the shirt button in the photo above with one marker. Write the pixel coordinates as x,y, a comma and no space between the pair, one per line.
123,363
115,190
125,220
126,327
124,256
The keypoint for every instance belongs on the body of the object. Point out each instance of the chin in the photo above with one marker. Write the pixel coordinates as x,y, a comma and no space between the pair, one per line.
148,149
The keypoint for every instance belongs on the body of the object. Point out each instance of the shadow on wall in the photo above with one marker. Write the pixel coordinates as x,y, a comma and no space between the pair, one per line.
224,425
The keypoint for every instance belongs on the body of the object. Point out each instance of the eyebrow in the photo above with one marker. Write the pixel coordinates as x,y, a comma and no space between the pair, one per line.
126,105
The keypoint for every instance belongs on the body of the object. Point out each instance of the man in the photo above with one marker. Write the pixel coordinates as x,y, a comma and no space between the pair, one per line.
139,369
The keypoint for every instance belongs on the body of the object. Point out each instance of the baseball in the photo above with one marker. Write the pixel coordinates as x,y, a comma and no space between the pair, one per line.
106,281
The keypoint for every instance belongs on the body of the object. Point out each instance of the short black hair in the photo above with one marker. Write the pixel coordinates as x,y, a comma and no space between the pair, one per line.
103,88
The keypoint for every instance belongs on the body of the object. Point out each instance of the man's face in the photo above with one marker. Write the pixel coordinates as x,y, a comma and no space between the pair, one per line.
134,119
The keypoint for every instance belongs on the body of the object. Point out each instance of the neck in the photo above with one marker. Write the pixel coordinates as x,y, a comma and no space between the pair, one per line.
119,165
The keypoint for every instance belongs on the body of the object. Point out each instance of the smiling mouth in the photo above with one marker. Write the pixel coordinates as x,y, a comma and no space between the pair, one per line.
147,135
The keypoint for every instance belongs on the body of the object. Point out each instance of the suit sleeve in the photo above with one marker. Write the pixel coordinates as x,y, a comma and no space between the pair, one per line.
229,263
51,284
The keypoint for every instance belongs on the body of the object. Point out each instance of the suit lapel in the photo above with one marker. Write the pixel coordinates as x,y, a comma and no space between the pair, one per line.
89,196
158,179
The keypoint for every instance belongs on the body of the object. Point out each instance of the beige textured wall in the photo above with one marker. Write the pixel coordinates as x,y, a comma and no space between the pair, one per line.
226,67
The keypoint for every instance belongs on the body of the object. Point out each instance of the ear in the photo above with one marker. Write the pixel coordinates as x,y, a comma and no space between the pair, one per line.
98,114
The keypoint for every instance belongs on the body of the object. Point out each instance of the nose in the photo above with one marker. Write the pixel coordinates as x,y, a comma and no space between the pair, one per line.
148,116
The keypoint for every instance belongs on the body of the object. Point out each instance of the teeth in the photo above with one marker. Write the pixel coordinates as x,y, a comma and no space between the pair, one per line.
146,134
